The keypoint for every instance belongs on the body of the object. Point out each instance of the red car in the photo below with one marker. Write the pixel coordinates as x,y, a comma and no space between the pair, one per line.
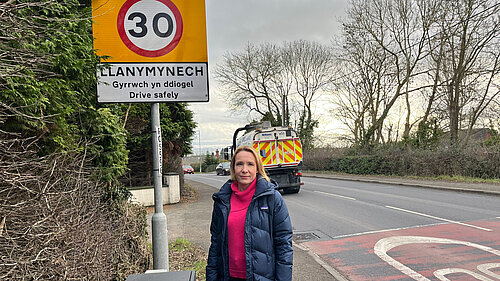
188,169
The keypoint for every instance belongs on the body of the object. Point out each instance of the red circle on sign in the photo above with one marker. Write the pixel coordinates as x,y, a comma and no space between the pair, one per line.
148,53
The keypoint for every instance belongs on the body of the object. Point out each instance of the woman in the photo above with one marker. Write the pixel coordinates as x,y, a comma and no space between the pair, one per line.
251,229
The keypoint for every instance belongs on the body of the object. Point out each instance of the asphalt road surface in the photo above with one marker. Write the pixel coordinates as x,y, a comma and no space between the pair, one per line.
370,231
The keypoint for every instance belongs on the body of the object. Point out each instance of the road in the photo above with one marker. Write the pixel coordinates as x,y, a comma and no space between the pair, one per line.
370,231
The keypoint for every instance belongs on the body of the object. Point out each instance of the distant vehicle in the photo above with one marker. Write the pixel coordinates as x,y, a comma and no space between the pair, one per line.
223,168
188,169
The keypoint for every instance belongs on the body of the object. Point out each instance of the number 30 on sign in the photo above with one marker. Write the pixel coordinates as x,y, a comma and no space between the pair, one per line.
131,31
150,28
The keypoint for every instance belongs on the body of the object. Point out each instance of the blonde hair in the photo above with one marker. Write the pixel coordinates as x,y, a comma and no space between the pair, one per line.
258,161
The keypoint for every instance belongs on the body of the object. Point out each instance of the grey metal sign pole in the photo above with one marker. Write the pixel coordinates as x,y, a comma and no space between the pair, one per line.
159,220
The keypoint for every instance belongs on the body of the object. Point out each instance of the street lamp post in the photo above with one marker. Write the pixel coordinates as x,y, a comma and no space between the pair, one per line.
283,110
283,122
199,147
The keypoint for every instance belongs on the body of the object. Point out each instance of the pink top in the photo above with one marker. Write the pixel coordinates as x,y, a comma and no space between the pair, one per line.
236,229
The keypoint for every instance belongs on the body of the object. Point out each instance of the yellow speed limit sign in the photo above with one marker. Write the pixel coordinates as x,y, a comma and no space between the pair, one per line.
154,50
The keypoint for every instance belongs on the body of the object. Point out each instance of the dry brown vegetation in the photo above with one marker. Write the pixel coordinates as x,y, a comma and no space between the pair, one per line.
54,223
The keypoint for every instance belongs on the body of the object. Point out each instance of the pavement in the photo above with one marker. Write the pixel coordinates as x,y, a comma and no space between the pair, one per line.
191,220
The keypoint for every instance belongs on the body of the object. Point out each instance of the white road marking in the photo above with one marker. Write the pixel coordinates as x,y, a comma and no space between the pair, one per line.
438,218
384,230
336,195
329,185
441,274
485,268
384,245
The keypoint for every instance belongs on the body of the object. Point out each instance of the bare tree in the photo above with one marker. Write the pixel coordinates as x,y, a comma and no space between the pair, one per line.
360,89
272,81
311,66
250,80
483,94
471,30
397,32
434,65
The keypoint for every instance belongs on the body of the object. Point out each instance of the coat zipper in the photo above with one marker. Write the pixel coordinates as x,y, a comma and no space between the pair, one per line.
225,255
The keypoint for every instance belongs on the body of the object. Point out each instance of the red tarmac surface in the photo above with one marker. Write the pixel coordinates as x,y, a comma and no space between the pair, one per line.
438,252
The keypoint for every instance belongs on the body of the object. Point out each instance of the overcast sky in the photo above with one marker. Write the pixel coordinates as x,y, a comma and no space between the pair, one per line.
231,25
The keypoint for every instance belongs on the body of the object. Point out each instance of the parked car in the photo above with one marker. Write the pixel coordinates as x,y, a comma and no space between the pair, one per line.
188,169
223,168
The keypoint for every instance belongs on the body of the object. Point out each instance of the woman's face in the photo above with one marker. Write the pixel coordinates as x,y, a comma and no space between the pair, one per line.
245,169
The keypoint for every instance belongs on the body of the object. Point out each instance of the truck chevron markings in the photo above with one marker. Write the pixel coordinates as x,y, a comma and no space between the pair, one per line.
289,151
280,151
298,149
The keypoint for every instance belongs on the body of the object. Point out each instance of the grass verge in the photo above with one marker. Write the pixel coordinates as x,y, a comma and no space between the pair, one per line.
183,255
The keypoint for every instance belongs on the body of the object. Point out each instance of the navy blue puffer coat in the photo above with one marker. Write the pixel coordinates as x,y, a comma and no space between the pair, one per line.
268,235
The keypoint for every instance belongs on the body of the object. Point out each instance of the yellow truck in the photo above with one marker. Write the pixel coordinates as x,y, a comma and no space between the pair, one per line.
280,150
